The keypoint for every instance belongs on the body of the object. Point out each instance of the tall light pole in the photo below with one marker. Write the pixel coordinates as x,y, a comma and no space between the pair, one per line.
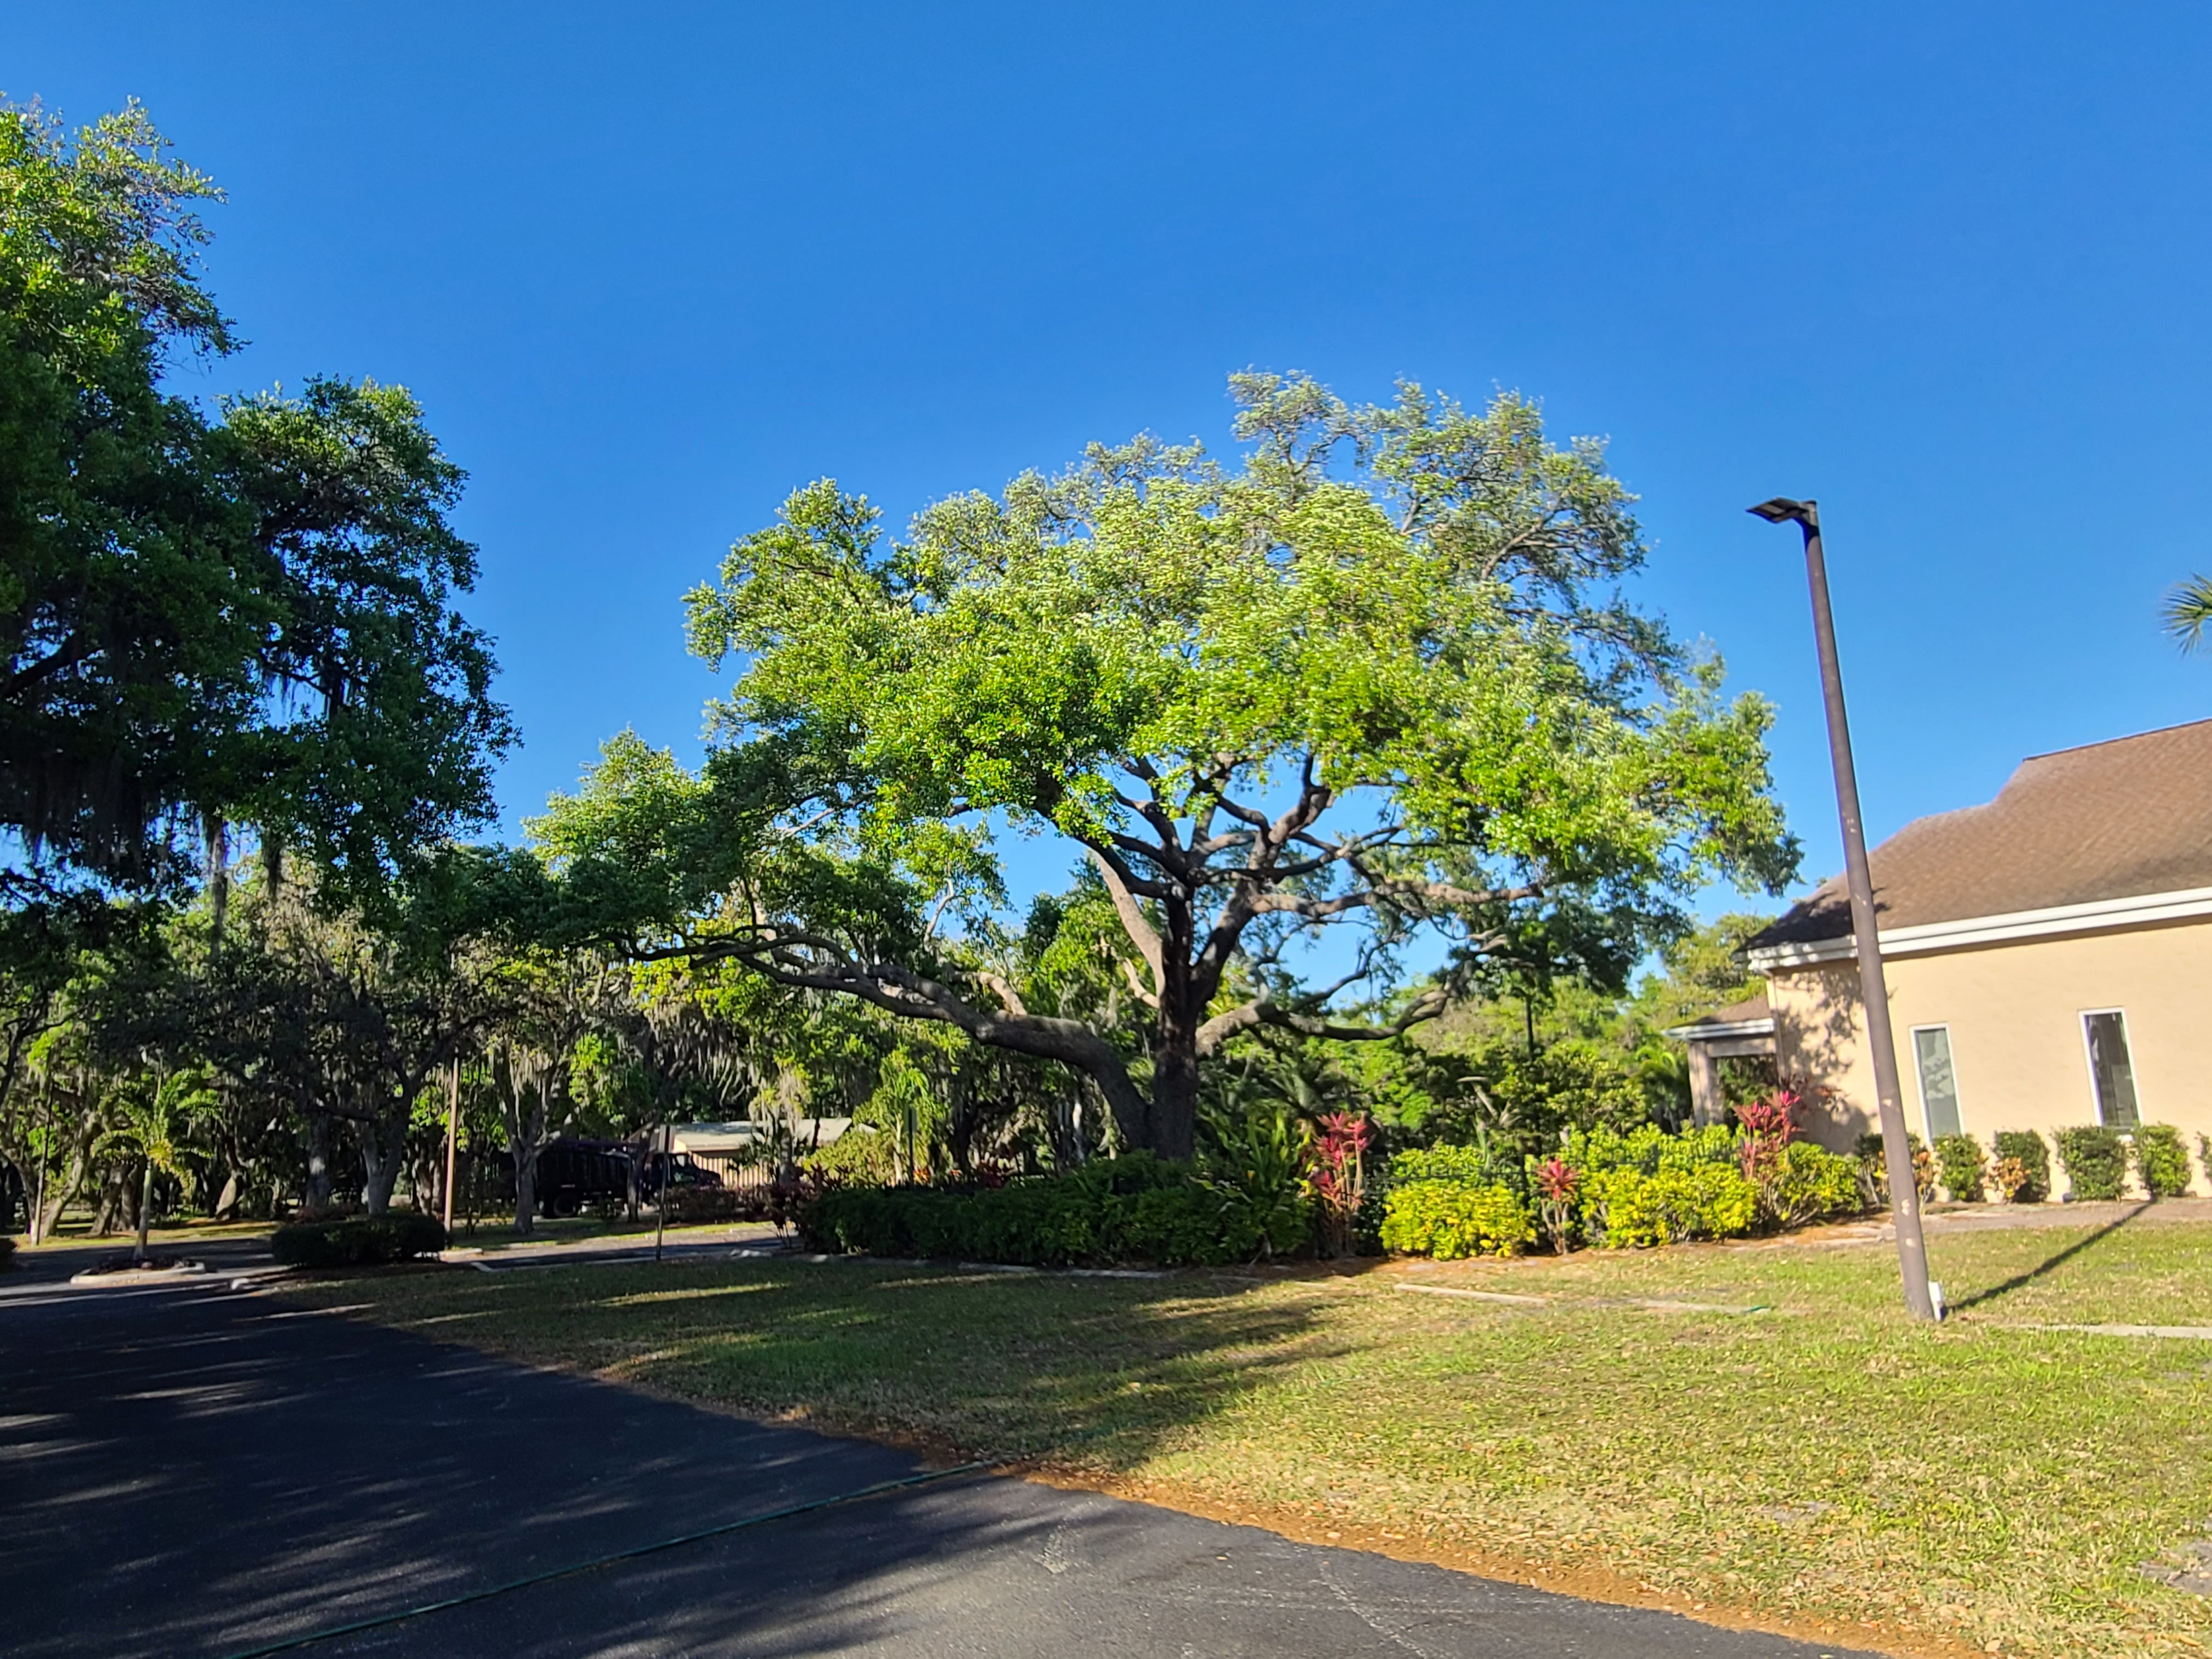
453,1139
1874,990
661,1214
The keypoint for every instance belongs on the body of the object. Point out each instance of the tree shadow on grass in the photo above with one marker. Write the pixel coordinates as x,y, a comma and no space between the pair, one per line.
196,1473
2048,1266
970,1362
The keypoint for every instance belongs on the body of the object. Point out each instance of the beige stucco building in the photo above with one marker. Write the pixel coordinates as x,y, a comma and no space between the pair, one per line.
2049,958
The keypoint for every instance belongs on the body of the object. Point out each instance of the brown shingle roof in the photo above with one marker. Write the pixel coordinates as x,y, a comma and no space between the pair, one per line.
2106,820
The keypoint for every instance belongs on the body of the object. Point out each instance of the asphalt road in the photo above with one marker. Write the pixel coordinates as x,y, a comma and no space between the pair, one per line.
206,1471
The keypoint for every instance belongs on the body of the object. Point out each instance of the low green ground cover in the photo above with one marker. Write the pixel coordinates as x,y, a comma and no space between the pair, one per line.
1982,1482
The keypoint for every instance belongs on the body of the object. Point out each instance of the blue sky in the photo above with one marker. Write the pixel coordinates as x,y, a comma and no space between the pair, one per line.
650,267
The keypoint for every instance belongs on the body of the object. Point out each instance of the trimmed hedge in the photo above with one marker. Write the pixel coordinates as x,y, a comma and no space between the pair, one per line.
363,1242
1648,1149
2033,1155
1643,1187
1960,1160
1874,1167
1469,1165
1131,1209
2095,1160
2161,1160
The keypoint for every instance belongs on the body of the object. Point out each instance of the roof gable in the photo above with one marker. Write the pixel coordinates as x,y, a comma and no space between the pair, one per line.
2105,821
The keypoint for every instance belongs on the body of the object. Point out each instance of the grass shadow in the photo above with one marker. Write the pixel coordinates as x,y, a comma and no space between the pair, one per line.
2048,1266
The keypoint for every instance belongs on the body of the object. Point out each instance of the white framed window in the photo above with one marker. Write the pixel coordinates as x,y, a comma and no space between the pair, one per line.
2112,1067
1939,1080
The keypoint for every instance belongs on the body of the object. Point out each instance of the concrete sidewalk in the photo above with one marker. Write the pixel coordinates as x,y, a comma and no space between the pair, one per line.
199,1472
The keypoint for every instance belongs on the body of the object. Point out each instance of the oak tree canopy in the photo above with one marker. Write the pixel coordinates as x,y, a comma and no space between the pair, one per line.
1371,681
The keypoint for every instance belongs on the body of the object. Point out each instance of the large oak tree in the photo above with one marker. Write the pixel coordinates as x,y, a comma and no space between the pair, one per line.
1375,679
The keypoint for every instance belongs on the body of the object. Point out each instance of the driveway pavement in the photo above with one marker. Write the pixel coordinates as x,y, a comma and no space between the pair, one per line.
207,1472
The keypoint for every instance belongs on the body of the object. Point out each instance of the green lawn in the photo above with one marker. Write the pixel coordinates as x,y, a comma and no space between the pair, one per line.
1823,1464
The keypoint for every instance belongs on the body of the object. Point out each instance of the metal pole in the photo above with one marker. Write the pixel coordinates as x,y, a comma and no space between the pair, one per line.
1874,989
145,1209
45,1152
453,1137
660,1219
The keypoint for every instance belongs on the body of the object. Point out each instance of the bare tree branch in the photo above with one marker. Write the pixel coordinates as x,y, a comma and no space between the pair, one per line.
810,961
996,984
1150,999
1266,1011
1141,931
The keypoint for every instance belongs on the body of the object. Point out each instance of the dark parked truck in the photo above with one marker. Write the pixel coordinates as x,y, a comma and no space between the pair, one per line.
682,1174
573,1175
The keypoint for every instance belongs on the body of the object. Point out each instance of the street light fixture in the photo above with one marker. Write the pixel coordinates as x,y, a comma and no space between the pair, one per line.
1874,991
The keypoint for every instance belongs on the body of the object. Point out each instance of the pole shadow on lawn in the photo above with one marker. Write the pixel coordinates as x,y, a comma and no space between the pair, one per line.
2048,1266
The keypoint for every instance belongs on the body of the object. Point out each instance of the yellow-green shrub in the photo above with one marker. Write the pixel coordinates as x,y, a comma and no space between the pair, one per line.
1624,1208
1451,1218
1811,1183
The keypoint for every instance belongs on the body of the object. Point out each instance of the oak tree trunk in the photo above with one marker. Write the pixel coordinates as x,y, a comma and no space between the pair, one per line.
526,1187
1174,1117
318,1164
1172,1121
382,1154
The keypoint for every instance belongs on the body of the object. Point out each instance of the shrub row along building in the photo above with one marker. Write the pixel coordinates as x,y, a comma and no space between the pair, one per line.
2048,957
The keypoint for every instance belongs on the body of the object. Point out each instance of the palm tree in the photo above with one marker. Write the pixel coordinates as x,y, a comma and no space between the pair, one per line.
2188,611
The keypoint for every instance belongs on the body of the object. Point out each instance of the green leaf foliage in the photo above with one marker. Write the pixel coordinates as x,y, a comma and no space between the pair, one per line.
1962,1165
1495,1092
1133,1209
2095,1160
1449,1220
1376,675
2161,1160
1625,1208
1644,1187
1813,1184
246,618
2032,1153
362,1242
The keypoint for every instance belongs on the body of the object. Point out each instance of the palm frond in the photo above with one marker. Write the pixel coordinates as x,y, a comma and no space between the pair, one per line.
2188,611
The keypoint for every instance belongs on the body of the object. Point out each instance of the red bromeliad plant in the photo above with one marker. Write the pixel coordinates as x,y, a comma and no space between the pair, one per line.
1336,1174
1557,1183
1769,1125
